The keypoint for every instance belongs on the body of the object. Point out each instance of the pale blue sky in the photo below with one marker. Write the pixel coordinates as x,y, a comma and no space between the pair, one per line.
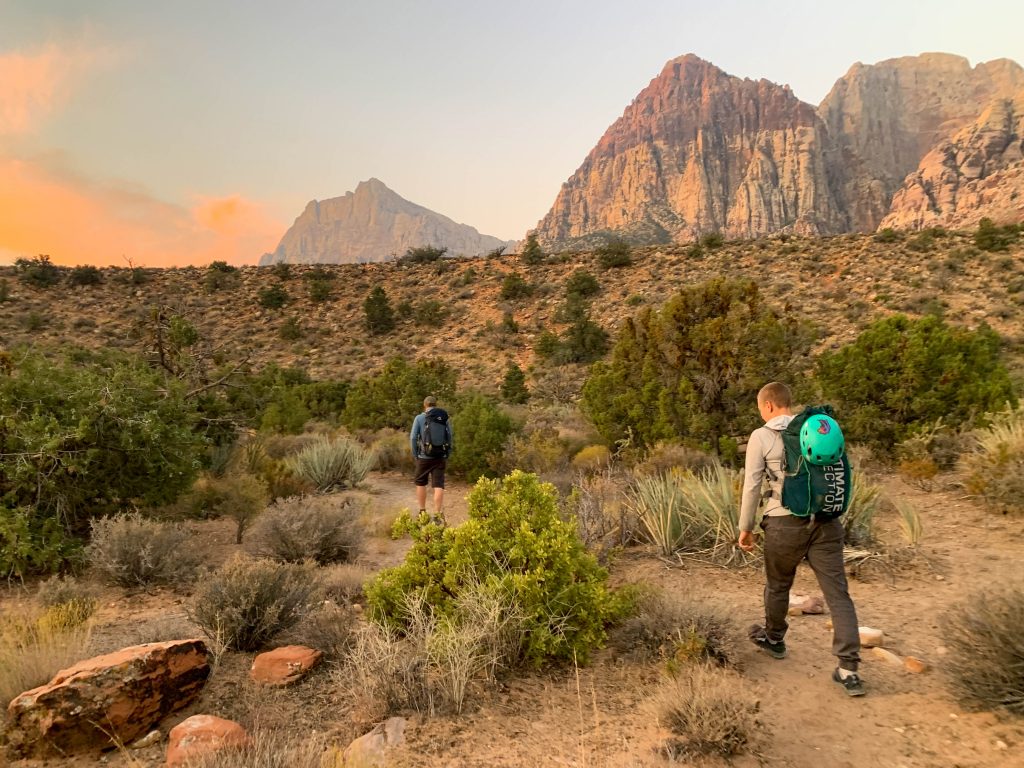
477,110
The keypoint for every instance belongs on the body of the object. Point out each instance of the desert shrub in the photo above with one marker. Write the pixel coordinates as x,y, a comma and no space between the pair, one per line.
30,543
708,711
423,254
387,672
290,329
242,497
311,528
901,375
614,254
922,242
219,276
479,432
985,636
5,291
581,284
726,343
992,237
319,291
515,287
36,642
596,503
246,603
711,241
693,513
584,341
380,318
268,748
86,436
540,450
515,543
887,235
343,582
665,456
282,270
430,313
273,297
994,468
32,321
131,551
910,525
531,253
64,588
394,396
677,629
859,518
513,385
330,629
392,450
592,458
38,272
329,464
85,275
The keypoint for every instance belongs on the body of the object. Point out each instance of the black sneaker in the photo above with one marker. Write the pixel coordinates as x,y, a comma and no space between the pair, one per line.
852,683
759,637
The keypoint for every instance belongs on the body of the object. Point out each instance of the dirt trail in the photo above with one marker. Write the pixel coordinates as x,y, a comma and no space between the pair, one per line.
599,715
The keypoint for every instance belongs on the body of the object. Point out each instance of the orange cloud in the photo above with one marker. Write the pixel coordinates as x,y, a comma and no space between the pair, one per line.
31,85
75,220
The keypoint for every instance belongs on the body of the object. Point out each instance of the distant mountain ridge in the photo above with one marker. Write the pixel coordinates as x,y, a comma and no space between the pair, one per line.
372,224
915,141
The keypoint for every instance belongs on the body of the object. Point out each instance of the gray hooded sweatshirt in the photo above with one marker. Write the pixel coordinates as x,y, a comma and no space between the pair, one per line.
764,452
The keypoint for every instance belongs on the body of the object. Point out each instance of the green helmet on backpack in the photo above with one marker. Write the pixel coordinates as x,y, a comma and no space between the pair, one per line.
821,440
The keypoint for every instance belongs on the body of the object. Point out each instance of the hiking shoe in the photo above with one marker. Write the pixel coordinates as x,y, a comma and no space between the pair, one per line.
852,683
759,637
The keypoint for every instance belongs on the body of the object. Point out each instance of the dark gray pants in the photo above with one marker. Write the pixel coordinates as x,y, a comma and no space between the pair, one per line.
787,541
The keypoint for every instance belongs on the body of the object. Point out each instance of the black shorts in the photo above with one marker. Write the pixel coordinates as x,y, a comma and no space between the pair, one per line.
430,468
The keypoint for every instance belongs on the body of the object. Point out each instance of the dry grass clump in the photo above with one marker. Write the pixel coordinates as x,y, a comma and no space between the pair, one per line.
678,629
37,642
665,457
247,602
592,458
709,711
597,502
331,630
393,452
64,589
310,528
994,469
268,748
130,550
985,635
343,583
328,464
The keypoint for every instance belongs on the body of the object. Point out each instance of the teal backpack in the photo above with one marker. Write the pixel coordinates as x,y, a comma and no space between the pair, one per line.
816,470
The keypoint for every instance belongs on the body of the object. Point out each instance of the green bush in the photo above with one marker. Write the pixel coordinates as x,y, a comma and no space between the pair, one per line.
39,272
312,528
319,291
31,543
87,437
581,284
130,551
532,254
246,603
328,464
281,271
513,385
991,237
712,241
242,497
85,275
423,254
219,276
515,287
273,297
5,291
985,635
379,317
901,375
431,313
290,329
480,429
393,397
514,542
887,235
614,254
726,343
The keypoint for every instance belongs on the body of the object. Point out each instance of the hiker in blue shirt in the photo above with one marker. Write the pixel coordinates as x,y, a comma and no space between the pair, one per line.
431,442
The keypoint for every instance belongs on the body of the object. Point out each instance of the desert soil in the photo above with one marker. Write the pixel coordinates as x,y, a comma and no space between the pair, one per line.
599,715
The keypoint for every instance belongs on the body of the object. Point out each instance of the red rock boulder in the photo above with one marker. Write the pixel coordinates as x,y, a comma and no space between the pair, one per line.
285,665
120,695
202,735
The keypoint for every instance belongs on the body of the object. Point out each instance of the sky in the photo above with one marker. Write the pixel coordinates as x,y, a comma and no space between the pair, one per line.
178,133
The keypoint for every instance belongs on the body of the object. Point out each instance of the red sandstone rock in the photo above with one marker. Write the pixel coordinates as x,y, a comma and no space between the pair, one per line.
202,735
121,695
285,665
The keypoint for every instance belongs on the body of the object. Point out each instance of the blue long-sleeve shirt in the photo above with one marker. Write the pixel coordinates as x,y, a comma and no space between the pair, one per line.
414,435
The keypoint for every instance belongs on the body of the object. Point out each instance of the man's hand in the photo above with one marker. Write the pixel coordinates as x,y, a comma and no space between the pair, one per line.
746,542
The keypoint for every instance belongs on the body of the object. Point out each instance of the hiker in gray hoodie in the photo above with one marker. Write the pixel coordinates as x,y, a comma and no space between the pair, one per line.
789,539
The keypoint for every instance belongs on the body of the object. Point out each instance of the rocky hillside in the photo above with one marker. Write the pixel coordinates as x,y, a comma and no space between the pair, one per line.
372,224
840,283
702,151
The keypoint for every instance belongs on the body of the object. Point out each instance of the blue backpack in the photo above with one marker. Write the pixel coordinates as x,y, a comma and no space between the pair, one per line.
434,436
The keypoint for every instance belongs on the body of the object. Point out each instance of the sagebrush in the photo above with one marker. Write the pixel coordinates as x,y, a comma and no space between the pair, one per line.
322,529
130,550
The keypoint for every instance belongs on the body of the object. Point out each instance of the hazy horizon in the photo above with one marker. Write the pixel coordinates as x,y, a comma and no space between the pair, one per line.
199,131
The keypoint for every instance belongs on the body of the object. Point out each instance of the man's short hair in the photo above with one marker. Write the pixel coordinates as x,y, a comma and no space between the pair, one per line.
777,393
429,401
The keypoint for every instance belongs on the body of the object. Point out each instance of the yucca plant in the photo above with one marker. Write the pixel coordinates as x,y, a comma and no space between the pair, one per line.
910,524
859,520
657,501
328,464
711,513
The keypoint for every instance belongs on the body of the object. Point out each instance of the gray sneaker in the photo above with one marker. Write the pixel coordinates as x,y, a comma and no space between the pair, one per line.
852,683
759,637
